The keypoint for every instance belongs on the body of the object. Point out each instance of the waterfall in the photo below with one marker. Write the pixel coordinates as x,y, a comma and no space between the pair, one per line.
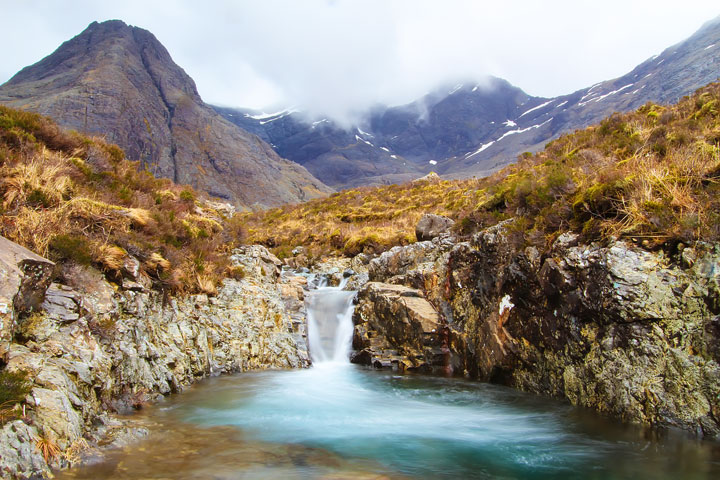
330,327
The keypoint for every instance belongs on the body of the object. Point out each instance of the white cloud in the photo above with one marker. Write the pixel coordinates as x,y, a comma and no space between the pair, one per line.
336,58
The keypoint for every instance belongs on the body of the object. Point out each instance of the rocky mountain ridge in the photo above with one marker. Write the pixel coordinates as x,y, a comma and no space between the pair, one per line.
119,81
471,128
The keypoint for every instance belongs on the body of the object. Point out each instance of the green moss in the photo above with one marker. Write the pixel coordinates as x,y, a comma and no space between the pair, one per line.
71,247
187,196
14,387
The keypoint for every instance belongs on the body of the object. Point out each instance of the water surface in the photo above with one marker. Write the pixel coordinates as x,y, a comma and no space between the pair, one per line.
342,421
338,420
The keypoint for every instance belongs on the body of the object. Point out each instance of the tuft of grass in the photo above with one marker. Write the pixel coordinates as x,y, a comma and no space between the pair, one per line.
47,447
14,386
77,199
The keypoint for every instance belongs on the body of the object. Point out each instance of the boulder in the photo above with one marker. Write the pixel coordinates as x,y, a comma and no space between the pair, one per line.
431,177
396,327
430,226
24,279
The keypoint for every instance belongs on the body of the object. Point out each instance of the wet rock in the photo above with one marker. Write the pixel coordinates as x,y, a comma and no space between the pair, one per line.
430,226
616,328
394,315
97,349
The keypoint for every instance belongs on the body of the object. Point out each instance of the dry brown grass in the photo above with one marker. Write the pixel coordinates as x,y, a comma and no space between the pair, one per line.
650,175
47,446
363,219
77,199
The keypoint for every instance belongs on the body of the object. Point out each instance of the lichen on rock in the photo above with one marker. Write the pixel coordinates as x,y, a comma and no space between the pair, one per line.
628,332
95,348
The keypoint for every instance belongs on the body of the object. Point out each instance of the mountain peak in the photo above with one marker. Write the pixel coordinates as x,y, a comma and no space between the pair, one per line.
121,82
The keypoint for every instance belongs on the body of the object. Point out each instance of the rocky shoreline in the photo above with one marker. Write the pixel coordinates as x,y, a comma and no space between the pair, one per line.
627,332
630,333
93,349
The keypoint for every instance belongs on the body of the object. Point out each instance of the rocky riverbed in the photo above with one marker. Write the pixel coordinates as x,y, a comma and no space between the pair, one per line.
630,333
92,348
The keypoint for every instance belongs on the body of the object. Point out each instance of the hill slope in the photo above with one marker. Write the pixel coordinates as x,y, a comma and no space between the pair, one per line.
119,81
78,201
651,176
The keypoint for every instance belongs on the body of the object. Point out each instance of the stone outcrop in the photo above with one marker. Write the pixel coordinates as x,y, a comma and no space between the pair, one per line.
395,326
628,332
431,226
24,278
98,348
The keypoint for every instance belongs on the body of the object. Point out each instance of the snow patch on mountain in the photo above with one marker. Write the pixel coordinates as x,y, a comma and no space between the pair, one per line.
523,130
536,108
482,147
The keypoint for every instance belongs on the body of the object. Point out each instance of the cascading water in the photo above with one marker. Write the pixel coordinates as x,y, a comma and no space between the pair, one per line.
338,420
329,316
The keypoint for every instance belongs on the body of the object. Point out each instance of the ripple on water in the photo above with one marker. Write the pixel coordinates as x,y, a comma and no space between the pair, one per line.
341,421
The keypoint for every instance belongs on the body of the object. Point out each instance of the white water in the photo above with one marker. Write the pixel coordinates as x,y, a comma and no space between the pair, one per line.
338,420
330,327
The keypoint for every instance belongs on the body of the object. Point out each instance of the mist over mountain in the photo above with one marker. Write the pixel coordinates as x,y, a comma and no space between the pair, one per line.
472,128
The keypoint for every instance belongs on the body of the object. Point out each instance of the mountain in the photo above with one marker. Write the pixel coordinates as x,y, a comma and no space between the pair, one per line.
120,82
473,128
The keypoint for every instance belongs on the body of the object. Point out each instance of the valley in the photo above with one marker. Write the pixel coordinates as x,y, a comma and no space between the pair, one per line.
480,283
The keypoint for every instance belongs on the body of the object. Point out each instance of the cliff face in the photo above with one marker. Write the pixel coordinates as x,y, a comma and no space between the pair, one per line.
119,81
627,332
91,349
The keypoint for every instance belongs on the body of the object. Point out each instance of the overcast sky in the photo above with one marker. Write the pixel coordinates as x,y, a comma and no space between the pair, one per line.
336,57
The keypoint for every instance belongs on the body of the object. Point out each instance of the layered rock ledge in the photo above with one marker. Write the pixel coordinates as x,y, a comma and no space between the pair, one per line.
92,348
630,333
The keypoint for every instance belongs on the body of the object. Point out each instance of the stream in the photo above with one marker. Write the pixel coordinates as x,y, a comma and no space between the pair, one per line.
336,421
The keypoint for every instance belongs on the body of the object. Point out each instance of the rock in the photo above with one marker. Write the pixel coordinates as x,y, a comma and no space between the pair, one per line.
357,281
18,454
98,296
24,279
390,316
359,262
129,346
430,226
258,262
62,302
400,260
225,209
613,327
429,178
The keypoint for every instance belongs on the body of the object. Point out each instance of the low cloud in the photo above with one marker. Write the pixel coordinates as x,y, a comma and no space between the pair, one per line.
338,58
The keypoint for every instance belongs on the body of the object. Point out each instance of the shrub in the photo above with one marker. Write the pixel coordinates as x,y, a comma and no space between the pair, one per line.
71,247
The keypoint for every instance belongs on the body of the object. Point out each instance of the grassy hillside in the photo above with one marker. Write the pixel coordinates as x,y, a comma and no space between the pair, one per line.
74,198
650,176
